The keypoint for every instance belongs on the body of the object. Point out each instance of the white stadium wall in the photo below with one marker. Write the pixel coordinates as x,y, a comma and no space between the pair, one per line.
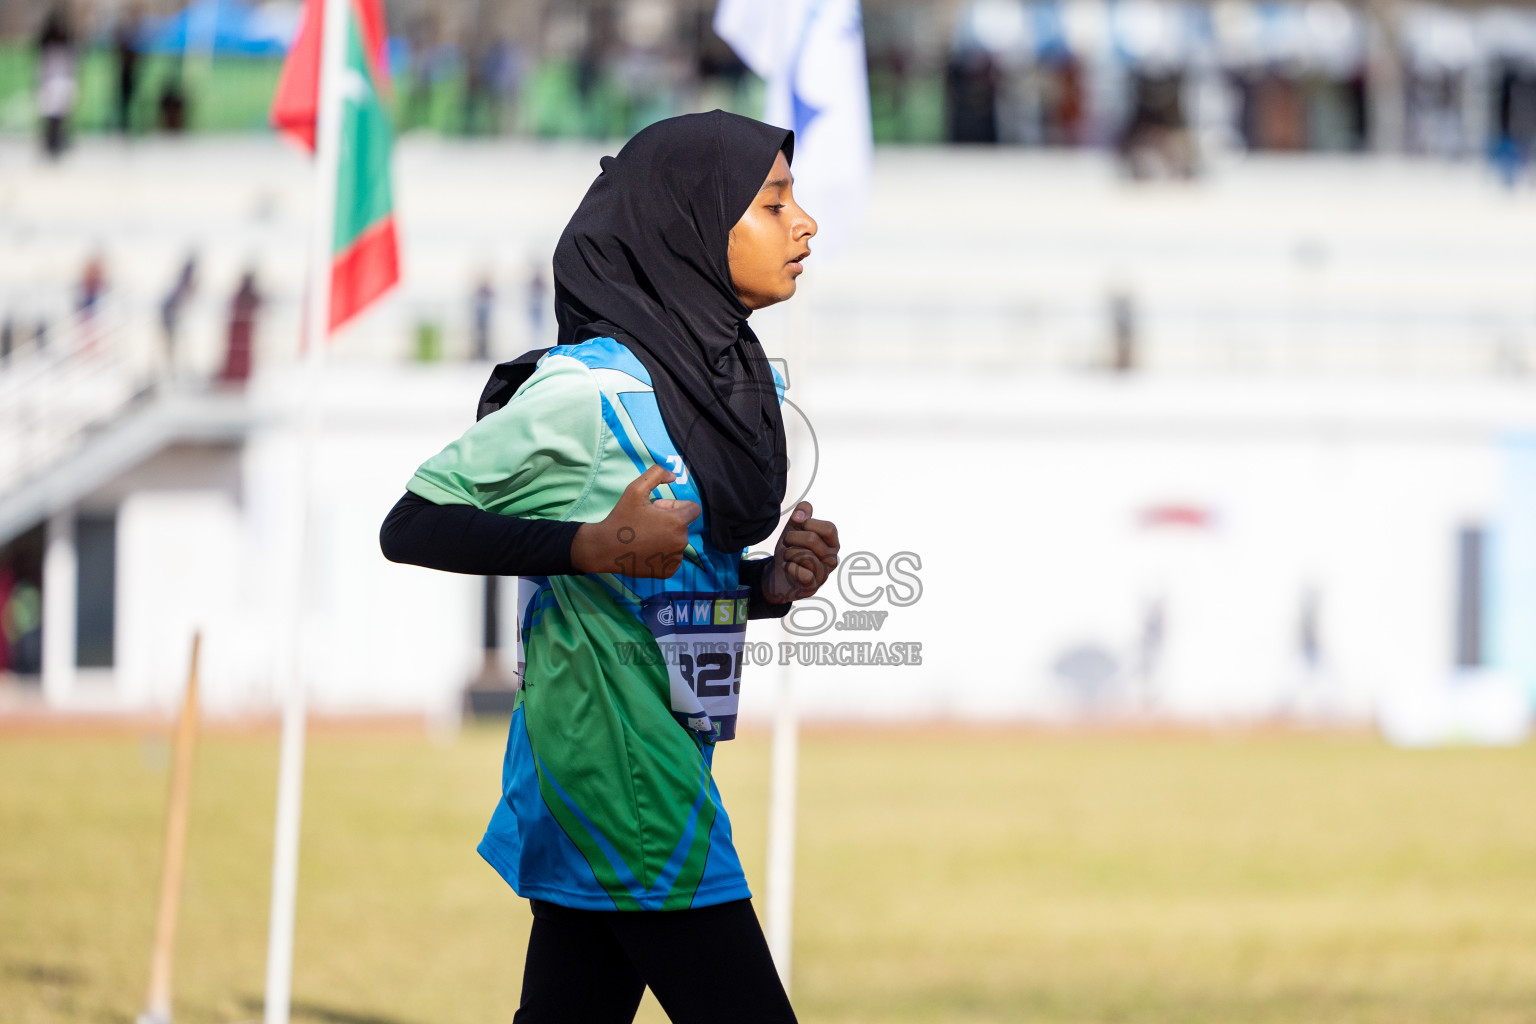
1028,500
1031,504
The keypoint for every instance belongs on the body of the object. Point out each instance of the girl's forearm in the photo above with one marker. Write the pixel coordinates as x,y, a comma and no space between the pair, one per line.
462,538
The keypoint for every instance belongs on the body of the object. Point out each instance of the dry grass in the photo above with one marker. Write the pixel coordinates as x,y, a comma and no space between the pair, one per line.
945,876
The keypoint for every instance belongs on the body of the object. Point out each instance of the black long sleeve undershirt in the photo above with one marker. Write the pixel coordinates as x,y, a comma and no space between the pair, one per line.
750,574
465,539
462,538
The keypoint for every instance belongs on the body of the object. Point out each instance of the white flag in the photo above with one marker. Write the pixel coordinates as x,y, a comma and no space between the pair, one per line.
811,53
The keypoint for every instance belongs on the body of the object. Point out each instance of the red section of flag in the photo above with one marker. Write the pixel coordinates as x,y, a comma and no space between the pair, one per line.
298,87
297,99
364,271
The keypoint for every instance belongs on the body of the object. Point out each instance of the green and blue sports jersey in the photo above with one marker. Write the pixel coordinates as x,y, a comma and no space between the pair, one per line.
608,799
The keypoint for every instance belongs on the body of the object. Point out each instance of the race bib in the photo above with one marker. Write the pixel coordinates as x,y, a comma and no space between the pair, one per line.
700,637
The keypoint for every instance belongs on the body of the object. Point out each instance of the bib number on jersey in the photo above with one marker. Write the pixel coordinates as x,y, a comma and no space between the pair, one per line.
700,637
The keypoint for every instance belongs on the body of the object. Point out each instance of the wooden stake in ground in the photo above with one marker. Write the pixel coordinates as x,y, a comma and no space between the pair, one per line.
159,1011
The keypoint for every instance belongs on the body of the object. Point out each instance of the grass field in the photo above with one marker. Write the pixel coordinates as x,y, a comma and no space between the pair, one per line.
944,876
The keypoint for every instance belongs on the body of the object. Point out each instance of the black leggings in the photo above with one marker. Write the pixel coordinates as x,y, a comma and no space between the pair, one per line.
705,964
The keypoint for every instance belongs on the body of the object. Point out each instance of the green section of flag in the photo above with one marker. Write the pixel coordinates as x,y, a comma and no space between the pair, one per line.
362,187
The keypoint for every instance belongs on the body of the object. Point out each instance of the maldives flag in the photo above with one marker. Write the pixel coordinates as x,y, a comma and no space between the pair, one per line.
364,253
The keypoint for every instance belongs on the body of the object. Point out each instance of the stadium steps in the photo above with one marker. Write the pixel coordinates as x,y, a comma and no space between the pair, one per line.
76,414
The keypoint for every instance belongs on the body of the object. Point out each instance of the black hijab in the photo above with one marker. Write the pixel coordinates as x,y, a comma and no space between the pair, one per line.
643,260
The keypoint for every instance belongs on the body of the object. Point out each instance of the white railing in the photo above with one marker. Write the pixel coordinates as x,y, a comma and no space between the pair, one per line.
59,388
1178,336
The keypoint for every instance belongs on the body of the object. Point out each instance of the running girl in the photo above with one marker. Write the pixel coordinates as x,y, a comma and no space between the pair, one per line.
623,481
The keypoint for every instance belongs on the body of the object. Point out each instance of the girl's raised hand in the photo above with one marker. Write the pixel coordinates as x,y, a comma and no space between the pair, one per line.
641,537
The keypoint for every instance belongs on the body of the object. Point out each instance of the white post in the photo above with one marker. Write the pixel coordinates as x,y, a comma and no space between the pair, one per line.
290,783
783,783
61,581
1387,114
784,772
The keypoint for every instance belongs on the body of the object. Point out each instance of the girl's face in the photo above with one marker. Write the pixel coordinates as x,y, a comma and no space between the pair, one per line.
769,241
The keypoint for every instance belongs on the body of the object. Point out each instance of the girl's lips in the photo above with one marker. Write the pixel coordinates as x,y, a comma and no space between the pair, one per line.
795,267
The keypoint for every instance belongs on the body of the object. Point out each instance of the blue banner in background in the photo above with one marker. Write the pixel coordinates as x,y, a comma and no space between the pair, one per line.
226,27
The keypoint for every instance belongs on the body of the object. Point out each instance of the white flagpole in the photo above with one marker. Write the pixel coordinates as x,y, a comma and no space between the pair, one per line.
784,769
290,778
783,786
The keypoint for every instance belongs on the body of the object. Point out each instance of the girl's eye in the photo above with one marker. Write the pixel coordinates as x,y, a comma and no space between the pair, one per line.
777,207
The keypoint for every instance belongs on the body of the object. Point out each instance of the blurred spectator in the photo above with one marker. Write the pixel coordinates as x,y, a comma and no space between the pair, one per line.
1308,635
93,284
888,82
429,341
243,309
172,105
21,624
1514,122
1435,115
538,301
9,584
7,340
55,80
1335,113
1064,105
492,79
1273,112
1122,318
431,62
171,308
1508,161
125,41
477,93
7,587
482,304
506,68
970,86
595,53
1149,653
1310,695
416,93
1156,141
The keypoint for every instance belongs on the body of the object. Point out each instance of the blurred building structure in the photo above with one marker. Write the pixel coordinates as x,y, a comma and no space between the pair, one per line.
1204,450
1245,435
